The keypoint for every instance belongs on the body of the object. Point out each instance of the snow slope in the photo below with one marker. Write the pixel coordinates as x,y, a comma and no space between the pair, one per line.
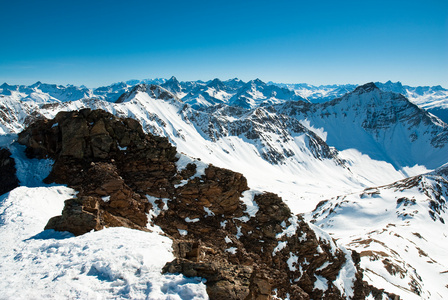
115,263
400,232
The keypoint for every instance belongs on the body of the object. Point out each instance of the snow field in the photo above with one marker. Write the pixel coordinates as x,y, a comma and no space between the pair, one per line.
114,263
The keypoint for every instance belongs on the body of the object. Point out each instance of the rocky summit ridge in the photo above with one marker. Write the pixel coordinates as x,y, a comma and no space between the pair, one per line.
246,244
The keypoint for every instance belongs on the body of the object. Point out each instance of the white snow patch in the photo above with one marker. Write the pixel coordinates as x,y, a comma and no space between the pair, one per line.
347,275
209,212
291,229
280,246
324,237
243,219
232,250
108,264
324,265
238,232
188,220
182,183
184,160
155,211
182,232
248,200
292,261
223,224
320,283
30,172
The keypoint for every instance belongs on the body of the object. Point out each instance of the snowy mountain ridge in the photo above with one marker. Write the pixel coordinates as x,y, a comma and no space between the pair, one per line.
380,124
232,92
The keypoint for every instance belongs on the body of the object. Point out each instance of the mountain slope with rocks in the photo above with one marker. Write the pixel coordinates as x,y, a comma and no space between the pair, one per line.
399,230
243,242
275,149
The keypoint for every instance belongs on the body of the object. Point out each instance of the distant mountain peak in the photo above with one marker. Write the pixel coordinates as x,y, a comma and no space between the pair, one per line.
173,79
258,82
216,83
36,84
368,87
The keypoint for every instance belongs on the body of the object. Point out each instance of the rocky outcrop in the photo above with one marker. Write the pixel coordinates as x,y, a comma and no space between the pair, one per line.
8,175
110,161
245,257
246,244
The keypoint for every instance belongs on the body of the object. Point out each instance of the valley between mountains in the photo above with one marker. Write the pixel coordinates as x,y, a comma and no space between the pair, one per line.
223,190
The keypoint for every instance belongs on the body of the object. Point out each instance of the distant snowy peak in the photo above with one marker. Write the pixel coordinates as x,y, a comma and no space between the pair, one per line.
47,93
154,92
317,94
256,93
234,92
172,85
398,87
383,125
234,83
432,98
41,92
216,84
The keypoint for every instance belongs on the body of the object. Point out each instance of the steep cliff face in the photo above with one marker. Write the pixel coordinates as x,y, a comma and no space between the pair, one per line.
247,244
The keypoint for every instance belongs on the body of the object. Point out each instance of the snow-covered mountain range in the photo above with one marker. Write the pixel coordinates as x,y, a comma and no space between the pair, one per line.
232,92
368,143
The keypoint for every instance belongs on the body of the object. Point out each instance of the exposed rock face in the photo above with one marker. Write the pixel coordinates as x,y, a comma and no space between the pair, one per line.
246,257
110,161
246,250
8,175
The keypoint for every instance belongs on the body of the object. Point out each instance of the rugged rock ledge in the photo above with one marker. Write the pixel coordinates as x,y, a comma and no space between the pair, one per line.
247,245
8,171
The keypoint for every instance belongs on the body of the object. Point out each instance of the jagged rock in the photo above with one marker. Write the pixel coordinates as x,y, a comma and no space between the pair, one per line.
8,171
104,201
252,243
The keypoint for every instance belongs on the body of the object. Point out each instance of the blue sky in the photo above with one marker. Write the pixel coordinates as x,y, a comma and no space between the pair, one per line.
318,42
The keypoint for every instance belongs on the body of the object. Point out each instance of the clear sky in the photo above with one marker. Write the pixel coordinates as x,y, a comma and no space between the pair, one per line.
98,42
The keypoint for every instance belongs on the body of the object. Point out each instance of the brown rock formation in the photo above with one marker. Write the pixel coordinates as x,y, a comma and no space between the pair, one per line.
110,161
